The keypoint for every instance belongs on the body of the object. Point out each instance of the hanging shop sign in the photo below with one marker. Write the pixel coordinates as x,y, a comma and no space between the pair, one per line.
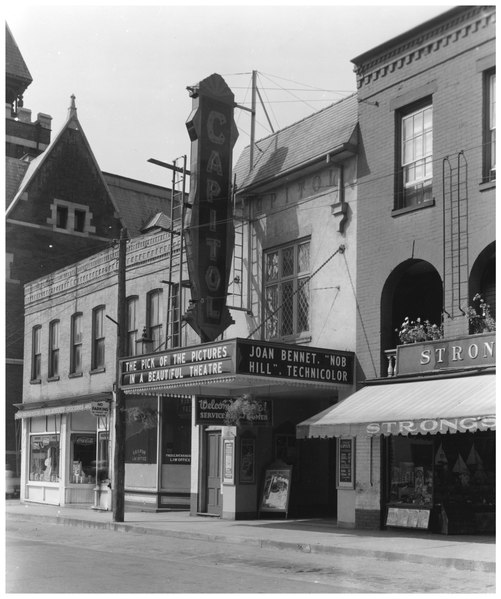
238,357
464,352
208,228
212,411
99,408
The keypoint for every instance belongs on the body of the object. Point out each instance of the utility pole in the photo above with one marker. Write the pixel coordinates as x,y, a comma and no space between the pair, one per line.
119,455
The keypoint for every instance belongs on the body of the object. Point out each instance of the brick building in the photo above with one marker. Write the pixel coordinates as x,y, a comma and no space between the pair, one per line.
426,248
290,346
60,207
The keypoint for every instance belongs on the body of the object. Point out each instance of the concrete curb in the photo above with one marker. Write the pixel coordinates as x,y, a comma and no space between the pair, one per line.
447,562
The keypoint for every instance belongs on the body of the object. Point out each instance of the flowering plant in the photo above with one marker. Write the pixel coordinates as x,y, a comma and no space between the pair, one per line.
479,316
241,411
413,331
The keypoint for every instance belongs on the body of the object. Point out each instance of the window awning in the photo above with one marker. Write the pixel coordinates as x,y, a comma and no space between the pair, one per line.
59,406
431,406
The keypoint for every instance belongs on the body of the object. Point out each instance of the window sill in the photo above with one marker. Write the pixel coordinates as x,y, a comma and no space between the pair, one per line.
484,186
53,378
75,375
98,370
297,339
406,210
36,382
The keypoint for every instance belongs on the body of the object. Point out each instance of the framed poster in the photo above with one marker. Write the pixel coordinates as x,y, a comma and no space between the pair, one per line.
247,460
276,490
228,461
346,463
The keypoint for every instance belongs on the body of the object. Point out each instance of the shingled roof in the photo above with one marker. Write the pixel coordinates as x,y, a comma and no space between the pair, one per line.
137,202
325,132
15,67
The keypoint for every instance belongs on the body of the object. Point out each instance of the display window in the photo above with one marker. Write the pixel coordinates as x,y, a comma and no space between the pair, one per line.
442,470
103,456
141,430
465,470
83,458
176,431
44,458
410,471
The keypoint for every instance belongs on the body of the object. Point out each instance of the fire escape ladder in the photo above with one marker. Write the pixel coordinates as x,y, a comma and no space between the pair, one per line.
455,235
176,272
237,294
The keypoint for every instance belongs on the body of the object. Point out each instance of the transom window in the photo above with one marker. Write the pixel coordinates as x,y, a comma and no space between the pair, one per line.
286,290
416,157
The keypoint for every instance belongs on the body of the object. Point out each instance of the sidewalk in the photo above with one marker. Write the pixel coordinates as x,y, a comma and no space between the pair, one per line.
469,553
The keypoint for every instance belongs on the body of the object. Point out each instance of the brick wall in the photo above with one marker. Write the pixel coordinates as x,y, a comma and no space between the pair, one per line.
451,71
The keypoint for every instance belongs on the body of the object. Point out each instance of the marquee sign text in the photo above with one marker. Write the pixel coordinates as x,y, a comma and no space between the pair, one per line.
239,357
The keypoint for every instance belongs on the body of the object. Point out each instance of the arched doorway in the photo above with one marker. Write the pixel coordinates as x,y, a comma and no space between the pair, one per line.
414,290
483,277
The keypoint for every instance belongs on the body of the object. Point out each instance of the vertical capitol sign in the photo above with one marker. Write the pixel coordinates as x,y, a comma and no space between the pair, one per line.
208,226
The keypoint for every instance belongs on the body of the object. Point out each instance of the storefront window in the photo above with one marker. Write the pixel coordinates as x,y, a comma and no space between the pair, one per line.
141,431
83,458
410,471
465,470
44,458
103,457
176,431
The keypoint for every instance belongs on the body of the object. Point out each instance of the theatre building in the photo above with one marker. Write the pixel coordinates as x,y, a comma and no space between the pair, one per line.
419,433
210,423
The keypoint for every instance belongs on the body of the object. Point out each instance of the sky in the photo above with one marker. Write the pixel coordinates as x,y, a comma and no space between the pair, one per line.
129,66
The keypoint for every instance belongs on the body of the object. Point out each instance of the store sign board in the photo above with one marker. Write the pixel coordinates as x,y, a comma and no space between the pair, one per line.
239,356
212,411
209,229
444,354
433,426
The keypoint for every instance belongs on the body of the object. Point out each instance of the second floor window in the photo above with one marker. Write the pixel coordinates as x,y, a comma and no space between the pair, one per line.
416,157
286,290
36,357
98,338
76,344
154,320
490,127
54,349
131,326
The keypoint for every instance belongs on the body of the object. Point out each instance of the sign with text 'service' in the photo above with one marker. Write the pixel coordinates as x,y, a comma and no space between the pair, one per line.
208,226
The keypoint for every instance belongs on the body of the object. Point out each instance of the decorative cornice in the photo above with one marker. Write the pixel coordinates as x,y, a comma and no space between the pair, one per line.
393,56
140,251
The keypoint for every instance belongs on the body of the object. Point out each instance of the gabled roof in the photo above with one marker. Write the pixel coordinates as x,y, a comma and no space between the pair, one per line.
15,66
35,165
138,202
159,221
15,170
325,132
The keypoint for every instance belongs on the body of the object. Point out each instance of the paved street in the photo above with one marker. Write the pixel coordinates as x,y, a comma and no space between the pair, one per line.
49,557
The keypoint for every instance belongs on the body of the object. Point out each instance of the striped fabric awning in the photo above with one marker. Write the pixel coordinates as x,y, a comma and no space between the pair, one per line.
431,406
